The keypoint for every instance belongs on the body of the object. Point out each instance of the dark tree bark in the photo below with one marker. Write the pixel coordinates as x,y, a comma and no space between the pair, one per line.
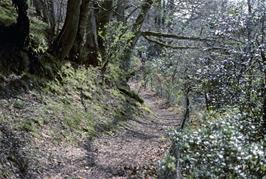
86,49
78,50
14,41
51,15
17,34
22,26
105,13
88,44
67,36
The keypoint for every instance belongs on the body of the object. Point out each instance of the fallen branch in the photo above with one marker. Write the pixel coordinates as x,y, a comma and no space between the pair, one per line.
131,94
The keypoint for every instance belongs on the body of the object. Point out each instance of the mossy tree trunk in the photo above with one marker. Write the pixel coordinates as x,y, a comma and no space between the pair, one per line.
80,31
136,29
79,37
103,18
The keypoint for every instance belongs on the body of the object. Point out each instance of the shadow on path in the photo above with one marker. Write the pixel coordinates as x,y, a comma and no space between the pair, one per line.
133,152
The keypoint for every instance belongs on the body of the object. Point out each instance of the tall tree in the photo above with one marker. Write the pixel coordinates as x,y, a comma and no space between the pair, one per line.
104,16
81,36
86,37
91,48
23,24
65,40
136,30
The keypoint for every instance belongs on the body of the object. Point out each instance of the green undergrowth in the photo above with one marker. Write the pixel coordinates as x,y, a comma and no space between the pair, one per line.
7,12
73,106
61,101
38,35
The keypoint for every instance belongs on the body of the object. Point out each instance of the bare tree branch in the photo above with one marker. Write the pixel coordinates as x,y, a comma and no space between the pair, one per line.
163,44
170,46
174,36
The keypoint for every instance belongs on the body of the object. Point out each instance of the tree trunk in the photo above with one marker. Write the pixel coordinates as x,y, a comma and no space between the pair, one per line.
86,48
187,108
51,15
45,9
78,50
23,23
105,13
67,36
103,18
136,29
91,50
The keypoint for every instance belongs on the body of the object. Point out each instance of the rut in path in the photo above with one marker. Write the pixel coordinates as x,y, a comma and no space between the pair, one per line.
135,151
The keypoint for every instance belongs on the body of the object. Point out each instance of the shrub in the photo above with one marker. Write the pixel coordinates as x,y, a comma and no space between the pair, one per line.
229,147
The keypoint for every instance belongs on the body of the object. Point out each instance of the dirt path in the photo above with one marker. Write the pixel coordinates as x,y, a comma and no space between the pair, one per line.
135,151
132,152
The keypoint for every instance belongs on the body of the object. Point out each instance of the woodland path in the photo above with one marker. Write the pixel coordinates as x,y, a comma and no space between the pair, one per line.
135,151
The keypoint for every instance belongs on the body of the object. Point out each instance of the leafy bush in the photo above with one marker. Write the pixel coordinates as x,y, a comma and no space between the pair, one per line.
116,37
168,164
228,147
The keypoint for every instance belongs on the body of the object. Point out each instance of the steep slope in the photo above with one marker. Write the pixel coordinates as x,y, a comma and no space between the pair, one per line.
58,144
64,121
40,124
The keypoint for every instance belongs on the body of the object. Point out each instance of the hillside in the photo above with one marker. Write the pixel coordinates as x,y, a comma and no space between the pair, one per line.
43,119
124,89
54,132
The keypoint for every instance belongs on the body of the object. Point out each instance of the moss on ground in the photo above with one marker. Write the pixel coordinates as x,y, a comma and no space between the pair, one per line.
73,106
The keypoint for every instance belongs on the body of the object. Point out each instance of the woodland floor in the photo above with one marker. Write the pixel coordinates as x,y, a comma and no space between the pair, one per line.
131,152
135,151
